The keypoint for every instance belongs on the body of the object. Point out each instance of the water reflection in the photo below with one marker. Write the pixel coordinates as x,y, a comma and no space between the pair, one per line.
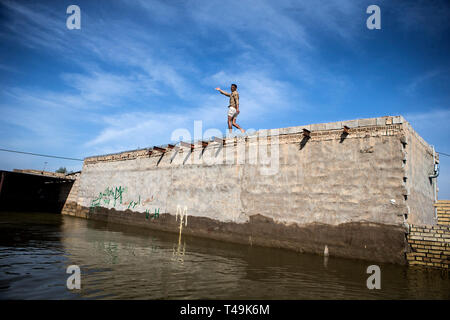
126,262
179,254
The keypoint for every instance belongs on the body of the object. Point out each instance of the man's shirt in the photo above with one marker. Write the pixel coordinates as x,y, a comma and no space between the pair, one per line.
234,99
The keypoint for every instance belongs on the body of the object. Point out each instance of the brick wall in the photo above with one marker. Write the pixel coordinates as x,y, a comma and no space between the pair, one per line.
443,210
430,245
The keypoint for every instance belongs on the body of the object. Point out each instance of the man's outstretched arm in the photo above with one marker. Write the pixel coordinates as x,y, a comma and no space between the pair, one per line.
222,92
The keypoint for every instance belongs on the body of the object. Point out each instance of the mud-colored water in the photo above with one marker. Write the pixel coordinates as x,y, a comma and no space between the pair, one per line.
120,262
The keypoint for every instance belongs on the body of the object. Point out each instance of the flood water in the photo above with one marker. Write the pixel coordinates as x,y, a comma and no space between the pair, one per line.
120,262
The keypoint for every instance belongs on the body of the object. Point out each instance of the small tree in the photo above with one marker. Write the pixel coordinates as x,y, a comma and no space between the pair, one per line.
61,170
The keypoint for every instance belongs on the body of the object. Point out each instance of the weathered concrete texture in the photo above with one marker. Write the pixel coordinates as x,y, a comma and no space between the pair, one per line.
70,205
343,191
420,188
370,241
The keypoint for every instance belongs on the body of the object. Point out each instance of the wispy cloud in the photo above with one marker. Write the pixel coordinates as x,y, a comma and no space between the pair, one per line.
417,82
138,70
260,96
123,45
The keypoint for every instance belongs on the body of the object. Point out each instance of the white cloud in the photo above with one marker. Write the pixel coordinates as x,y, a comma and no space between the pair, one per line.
122,45
106,88
260,97
138,80
417,82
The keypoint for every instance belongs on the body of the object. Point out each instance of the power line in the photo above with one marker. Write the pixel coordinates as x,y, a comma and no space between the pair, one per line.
58,157
41,155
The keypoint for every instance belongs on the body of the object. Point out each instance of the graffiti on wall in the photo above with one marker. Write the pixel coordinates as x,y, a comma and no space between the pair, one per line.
153,215
139,202
133,204
115,195
108,196
183,216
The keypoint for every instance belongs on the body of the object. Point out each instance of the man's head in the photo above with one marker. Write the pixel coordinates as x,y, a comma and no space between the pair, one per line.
233,87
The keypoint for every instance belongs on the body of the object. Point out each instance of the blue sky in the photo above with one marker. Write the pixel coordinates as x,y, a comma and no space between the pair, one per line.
137,70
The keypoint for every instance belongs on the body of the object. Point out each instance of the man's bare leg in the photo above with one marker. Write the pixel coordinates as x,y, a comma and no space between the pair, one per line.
237,126
230,128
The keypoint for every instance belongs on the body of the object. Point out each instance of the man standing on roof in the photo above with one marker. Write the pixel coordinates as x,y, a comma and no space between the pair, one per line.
233,108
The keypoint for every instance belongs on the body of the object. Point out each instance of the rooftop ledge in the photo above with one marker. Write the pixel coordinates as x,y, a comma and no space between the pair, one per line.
339,125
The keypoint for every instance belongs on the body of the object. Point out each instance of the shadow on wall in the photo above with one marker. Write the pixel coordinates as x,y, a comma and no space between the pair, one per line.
30,192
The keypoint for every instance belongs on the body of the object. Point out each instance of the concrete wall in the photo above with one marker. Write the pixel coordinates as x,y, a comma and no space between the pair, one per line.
420,189
71,206
343,191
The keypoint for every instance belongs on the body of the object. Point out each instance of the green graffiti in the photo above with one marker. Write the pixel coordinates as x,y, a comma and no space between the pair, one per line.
106,196
134,203
152,216
156,215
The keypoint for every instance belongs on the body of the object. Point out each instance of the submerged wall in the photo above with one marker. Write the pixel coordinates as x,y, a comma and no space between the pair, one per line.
354,193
